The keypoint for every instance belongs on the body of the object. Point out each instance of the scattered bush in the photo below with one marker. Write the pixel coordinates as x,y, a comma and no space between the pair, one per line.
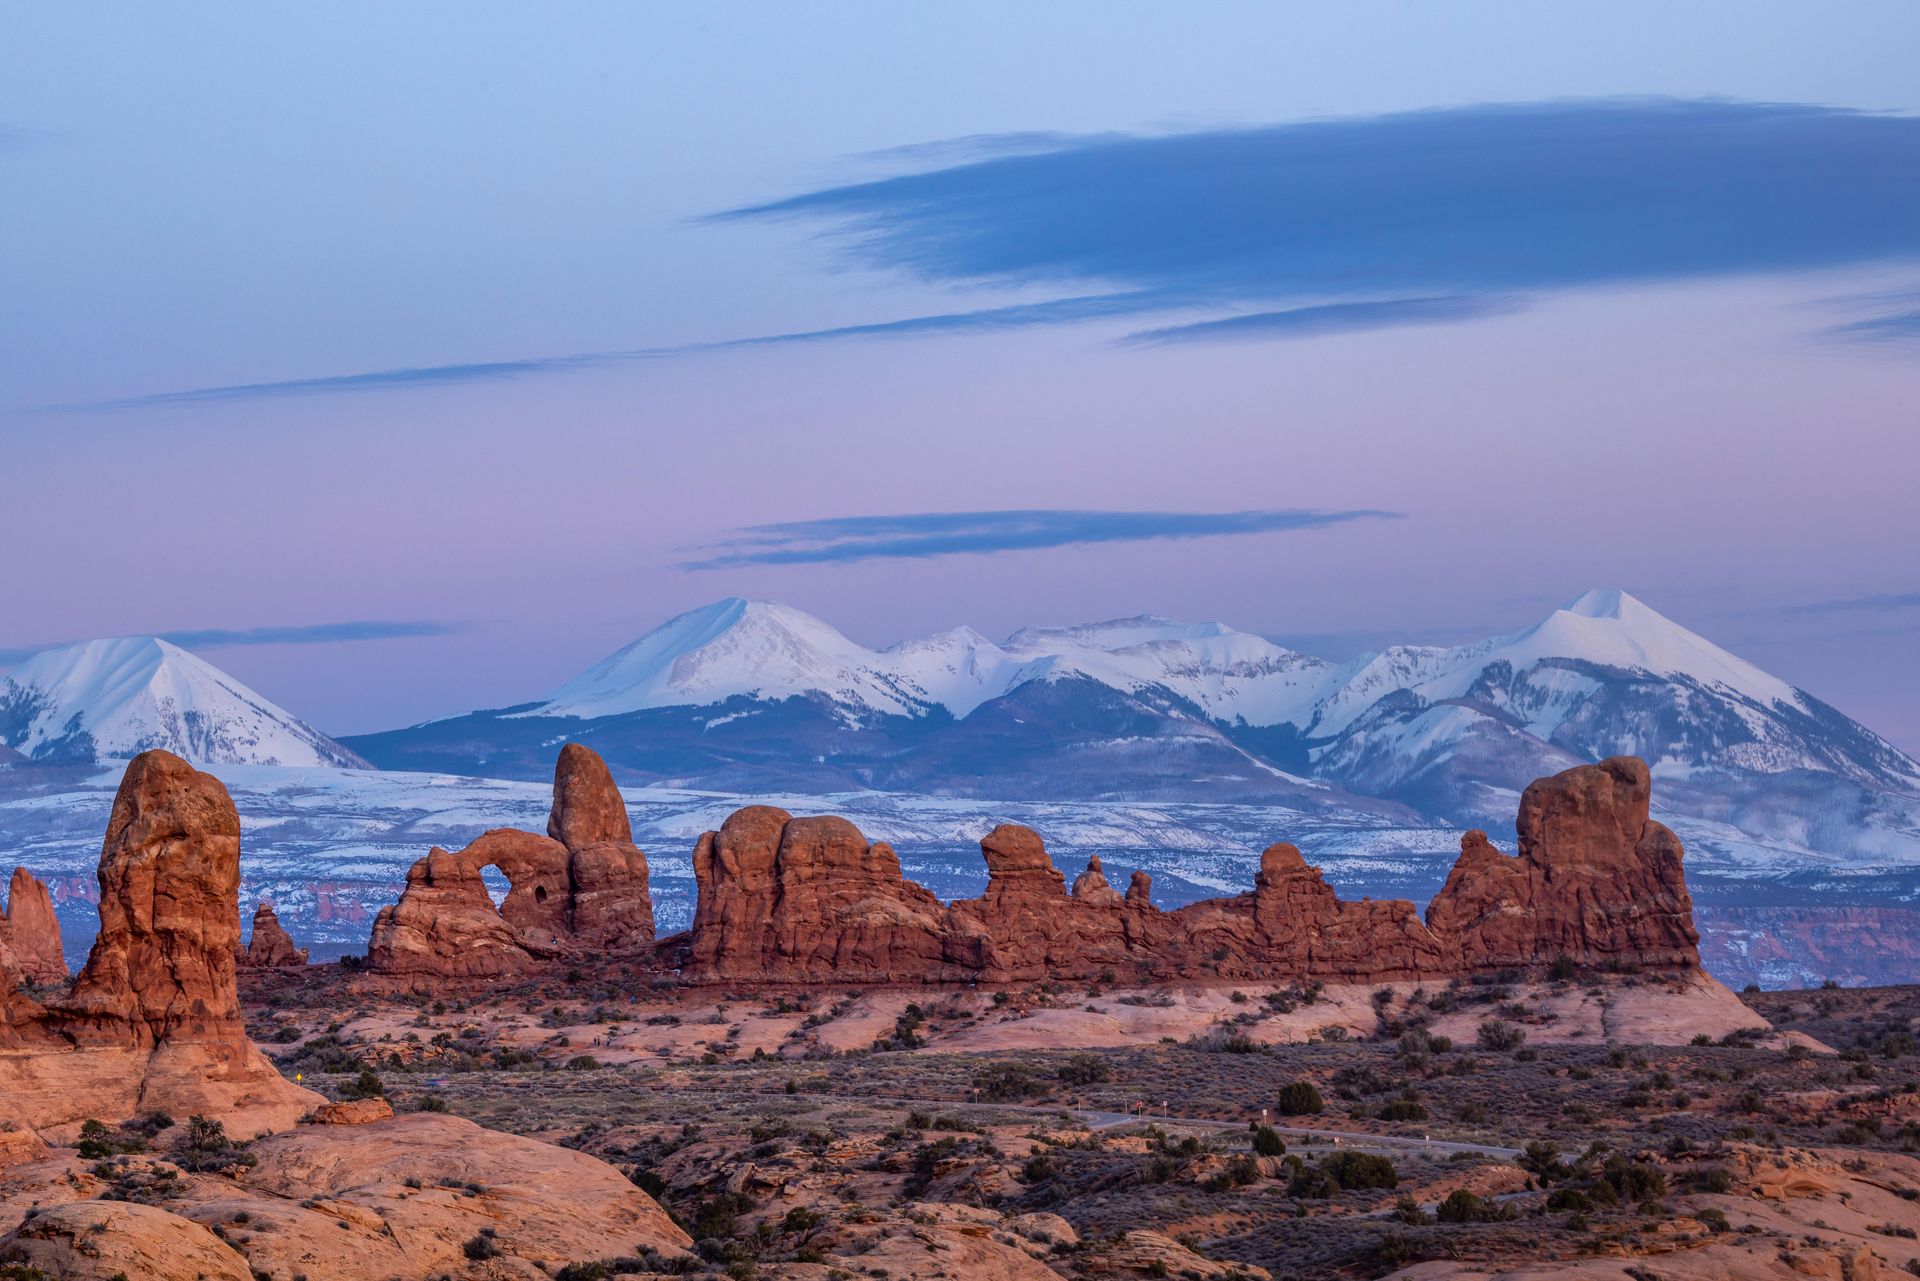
1498,1034
1299,1098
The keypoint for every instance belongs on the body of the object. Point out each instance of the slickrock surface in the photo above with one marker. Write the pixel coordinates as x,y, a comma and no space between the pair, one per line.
270,947
392,1198
784,899
580,890
31,932
153,1021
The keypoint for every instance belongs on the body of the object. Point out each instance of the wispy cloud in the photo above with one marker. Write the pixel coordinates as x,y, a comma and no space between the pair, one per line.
1886,317
981,320
307,634
1330,226
1879,603
926,534
1329,318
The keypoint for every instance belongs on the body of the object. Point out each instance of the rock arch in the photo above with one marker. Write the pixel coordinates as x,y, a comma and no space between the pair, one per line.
579,889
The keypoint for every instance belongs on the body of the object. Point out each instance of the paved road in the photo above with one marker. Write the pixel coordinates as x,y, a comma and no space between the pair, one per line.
1113,1120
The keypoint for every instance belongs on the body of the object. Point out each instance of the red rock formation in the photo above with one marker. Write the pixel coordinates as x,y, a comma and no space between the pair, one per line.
153,1021
579,891
271,947
810,900
587,807
1595,879
445,925
31,932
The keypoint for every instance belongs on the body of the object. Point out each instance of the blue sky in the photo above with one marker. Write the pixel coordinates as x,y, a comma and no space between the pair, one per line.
522,329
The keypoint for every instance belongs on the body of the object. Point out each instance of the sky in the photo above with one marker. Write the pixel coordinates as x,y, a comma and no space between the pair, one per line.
409,359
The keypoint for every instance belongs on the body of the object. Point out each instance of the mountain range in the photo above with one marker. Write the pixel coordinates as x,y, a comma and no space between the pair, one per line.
751,695
1176,747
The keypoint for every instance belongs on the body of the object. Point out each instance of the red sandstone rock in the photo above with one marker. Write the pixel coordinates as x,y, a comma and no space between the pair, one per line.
810,900
271,947
153,1021
580,891
1595,879
31,932
445,925
352,1112
587,807
1091,885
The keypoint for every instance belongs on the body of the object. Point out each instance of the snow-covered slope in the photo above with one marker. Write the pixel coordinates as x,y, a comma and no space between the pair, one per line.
1607,674
745,695
1604,628
762,650
115,698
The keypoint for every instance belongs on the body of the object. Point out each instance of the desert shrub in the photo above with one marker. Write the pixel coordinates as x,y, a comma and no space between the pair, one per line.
1353,1170
1084,1069
367,1085
1569,1199
1403,1109
1267,1141
1633,1181
481,1246
1007,1082
1543,1159
1463,1206
1240,1171
1225,1040
1299,1098
1498,1034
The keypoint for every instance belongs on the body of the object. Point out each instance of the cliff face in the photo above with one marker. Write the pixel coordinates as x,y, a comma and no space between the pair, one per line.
1804,946
153,1021
807,900
580,890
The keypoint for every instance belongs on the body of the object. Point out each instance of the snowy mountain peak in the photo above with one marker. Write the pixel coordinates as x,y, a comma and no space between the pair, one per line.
1610,628
124,695
1604,602
731,647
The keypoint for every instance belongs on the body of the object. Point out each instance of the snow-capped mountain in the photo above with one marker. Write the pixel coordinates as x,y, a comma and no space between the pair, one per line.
115,698
750,695
761,650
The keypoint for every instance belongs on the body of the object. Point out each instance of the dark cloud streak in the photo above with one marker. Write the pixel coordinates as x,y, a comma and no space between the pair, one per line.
927,534
1335,225
1329,318
308,634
